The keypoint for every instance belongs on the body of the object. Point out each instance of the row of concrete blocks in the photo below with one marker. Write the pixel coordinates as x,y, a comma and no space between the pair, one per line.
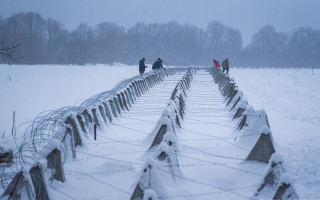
253,131
164,147
80,124
29,183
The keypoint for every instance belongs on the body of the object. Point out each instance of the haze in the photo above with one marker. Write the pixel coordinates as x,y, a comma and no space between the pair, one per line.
247,16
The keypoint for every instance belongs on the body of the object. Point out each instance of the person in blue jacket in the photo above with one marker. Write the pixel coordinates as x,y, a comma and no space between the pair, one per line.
157,65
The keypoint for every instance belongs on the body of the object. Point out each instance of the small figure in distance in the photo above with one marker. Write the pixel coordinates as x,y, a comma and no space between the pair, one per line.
157,65
216,63
225,66
142,66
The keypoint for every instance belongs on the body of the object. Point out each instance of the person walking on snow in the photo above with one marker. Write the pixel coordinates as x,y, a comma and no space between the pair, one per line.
142,66
216,63
225,66
157,65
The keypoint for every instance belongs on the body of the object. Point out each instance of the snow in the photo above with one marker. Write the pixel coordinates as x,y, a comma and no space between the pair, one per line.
149,194
49,147
285,178
110,167
30,90
291,99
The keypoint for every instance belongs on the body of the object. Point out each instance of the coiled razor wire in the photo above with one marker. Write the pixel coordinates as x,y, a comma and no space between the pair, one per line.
47,124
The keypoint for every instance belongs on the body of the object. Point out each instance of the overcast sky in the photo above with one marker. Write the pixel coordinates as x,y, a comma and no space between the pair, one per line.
248,16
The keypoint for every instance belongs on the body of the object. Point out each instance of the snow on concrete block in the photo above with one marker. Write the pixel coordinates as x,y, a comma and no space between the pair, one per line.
264,148
87,116
163,125
225,91
166,154
149,179
223,83
285,189
170,139
95,116
274,172
254,120
233,93
181,105
120,101
6,155
124,101
40,188
49,147
100,120
171,112
102,113
243,121
126,95
81,122
116,104
69,140
113,108
20,187
178,120
107,111
140,88
158,139
150,194
54,161
239,107
75,129
235,103
131,94
137,88
174,92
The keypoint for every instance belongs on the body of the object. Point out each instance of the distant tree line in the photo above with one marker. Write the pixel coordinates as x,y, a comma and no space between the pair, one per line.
46,41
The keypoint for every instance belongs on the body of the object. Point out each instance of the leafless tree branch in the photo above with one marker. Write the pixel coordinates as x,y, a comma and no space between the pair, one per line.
7,52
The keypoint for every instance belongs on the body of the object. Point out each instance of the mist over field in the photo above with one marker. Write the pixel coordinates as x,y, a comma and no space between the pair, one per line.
265,34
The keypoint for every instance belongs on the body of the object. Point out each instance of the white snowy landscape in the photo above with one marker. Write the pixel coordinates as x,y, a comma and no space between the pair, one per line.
210,162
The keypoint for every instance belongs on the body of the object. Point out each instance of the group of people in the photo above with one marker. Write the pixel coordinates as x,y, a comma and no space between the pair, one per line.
156,65
225,65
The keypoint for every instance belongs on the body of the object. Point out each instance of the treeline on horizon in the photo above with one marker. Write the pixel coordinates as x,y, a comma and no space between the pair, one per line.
46,41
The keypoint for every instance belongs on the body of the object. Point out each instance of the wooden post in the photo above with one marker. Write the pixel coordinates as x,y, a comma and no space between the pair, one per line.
95,131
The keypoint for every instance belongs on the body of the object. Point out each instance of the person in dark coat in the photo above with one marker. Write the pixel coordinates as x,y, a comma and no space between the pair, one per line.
225,66
157,65
142,66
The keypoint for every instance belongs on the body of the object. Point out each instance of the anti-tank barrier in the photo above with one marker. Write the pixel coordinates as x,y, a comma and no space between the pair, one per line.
122,100
67,128
253,132
30,181
163,143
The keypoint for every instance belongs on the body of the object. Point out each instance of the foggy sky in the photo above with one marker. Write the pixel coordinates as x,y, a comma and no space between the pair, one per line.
248,16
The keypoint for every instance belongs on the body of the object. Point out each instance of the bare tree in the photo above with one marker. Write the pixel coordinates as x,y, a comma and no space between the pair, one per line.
7,52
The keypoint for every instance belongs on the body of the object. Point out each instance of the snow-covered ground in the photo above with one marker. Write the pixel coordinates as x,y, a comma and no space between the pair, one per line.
289,96
30,90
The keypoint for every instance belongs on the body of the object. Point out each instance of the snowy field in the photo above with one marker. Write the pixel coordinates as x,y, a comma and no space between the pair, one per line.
289,96
30,90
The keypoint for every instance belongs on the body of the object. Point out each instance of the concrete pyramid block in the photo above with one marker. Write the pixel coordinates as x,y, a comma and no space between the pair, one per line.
150,179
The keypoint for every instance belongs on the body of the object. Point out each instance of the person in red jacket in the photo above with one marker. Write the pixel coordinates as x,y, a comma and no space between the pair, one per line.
216,63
